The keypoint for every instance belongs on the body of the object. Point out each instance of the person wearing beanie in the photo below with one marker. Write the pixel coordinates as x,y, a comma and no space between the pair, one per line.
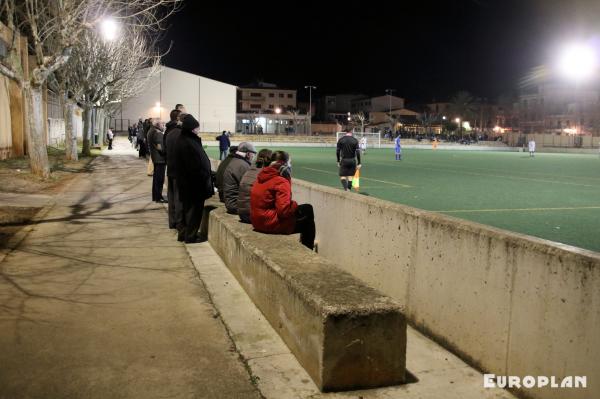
243,202
239,164
272,209
193,177
173,130
221,170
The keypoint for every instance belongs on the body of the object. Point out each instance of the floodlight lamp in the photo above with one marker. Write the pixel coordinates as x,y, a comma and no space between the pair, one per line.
578,62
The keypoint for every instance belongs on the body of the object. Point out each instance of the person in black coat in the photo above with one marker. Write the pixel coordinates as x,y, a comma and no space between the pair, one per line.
193,176
172,132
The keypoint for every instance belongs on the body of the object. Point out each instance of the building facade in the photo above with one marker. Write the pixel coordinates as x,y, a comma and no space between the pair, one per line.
211,102
380,103
559,109
263,97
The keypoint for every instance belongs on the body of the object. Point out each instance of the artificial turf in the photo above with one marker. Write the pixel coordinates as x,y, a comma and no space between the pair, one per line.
551,196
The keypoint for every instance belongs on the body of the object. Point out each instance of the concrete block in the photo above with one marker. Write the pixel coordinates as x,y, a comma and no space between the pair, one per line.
345,334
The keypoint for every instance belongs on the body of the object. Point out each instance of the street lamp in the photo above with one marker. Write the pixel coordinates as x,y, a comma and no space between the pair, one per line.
310,89
109,29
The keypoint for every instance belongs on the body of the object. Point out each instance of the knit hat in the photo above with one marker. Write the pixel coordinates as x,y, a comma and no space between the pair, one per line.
189,122
246,147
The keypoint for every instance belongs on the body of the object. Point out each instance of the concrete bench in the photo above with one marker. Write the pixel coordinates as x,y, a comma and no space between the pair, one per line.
344,333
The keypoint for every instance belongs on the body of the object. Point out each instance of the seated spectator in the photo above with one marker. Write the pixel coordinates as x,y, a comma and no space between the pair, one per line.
243,202
272,209
221,170
232,176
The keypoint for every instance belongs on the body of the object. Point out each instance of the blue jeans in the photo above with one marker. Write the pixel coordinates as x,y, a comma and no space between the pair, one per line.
223,154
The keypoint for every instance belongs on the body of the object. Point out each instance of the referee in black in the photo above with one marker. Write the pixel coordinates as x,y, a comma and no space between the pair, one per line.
348,159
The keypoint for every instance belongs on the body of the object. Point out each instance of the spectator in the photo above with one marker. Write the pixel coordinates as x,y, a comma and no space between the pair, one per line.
224,145
193,177
157,157
181,108
221,170
172,132
239,164
243,203
110,136
272,209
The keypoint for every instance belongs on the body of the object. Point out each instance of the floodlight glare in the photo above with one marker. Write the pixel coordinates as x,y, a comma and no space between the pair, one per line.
109,29
578,62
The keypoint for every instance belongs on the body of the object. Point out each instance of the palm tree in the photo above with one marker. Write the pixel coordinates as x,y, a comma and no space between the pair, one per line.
294,113
427,119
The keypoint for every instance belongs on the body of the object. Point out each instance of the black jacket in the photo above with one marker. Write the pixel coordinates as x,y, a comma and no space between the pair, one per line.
155,145
169,140
192,168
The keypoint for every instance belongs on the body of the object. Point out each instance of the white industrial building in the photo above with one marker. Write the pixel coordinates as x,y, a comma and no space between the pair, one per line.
211,102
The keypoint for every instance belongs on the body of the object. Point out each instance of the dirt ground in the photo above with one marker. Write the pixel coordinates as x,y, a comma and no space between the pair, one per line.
16,177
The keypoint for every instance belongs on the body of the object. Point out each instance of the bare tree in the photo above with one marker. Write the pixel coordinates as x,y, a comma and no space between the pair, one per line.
361,119
52,29
294,113
103,73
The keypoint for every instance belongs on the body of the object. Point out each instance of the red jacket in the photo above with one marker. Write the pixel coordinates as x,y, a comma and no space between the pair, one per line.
272,209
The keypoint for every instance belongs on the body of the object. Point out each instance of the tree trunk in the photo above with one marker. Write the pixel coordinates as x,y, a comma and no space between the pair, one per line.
36,143
87,130
70,136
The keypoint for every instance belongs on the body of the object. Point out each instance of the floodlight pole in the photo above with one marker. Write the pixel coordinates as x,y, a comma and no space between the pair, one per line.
390,92
310,89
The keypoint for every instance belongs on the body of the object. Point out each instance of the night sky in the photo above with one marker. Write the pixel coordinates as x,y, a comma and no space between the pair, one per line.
426,50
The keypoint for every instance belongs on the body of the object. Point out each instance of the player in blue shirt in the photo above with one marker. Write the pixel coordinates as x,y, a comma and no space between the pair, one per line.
398,149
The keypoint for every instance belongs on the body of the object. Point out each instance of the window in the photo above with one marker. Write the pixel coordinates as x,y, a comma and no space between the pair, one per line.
255,95
271,95
255,106
271,106
280,95
290,95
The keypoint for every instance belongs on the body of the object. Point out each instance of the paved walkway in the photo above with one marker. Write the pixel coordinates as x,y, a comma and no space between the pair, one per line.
100,301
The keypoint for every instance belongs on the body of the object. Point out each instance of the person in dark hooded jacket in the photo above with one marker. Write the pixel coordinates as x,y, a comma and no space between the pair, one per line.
272,209
172,132
193,176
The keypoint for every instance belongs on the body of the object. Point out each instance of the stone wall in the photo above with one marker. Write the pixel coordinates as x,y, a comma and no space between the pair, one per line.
508,303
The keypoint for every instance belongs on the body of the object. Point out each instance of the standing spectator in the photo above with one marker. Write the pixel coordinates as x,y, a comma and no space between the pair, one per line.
232,176
193,177
110,136
157,156
172,132
243,203
224,145
221,169
272,209
347,156
181,108
140,142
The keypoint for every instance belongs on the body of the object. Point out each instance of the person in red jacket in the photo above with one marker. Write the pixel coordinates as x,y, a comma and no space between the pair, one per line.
272,209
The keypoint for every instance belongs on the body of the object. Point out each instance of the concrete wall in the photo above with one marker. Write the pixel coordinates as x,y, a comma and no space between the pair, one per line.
213,103
508,303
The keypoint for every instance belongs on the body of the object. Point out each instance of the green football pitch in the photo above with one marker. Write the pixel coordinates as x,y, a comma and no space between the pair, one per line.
551,196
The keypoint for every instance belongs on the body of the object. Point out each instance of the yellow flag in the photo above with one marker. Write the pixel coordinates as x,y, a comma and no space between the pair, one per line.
356,180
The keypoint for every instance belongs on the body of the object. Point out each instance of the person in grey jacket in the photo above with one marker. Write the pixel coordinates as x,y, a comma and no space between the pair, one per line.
155,145
243,202
232,176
